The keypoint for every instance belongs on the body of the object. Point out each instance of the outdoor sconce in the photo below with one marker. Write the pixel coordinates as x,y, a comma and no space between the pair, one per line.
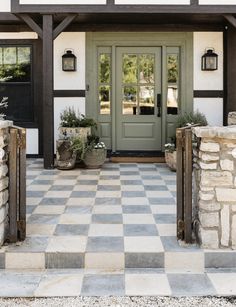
69,61
210,60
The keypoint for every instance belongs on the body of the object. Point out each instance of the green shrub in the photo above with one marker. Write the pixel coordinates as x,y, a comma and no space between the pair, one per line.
191,118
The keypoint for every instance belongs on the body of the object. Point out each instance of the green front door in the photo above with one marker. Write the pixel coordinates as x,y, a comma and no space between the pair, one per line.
138,98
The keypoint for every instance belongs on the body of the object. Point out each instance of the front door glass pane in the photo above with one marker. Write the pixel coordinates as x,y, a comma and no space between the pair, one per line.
130,63
138,84
104,83
173,84
146,68
130,100
146,100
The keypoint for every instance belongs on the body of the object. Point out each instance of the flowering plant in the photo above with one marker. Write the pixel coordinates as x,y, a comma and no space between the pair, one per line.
99,145
170,147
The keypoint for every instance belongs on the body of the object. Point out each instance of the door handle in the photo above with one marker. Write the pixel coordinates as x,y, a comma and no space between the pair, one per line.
159,104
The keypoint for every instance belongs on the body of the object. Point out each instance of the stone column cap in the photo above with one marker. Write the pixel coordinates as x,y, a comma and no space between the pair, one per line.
5,123
228,132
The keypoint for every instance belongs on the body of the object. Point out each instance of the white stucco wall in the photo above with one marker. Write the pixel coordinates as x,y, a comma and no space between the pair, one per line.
5,5
69,80
32,141
208,80
18,35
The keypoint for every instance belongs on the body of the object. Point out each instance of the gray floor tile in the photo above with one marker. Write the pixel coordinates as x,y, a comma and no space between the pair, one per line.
107,218
43,219
31,244
102,285
83,194
191,285
107,201
105,244
133,194
165,218
53,201
155,188
2,261
144,260
87,182
136,209
129,173
140,230
61,188
220,259
131,182
108,188
42,182
30,209
35,194
109,177
14,284
162,201
151,177
79,209
64,260
71,230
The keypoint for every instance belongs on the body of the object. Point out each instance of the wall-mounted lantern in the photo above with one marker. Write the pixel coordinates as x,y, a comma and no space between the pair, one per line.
210,60
69,61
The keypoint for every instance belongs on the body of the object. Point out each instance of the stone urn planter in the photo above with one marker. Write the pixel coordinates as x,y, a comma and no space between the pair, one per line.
65,156
81,132
95,157
170,158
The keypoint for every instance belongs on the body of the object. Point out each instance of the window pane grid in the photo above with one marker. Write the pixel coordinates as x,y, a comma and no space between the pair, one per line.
138,84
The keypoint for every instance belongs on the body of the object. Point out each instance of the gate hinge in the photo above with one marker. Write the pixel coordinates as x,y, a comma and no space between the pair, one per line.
181,225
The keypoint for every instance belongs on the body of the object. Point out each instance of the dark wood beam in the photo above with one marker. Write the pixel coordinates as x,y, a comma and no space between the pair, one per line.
63,25
231,19
32,24
48,118
230,70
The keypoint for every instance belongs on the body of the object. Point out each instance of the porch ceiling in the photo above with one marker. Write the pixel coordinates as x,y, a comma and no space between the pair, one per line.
88,22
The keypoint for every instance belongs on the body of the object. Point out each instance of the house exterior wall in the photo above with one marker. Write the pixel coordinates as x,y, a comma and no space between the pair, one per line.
5,5
208,80
211,107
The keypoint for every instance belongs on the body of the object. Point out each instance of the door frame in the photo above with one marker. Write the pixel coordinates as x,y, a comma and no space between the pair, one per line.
183,40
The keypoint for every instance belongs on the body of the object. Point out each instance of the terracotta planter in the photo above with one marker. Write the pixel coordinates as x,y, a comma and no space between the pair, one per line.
65,157
81,132
95,158
170,158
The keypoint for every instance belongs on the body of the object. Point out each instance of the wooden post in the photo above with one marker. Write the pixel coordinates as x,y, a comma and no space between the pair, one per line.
22,185
13,175
48,110
188,187
180,184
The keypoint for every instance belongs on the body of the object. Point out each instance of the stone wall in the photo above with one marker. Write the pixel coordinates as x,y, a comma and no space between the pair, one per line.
4,180
215,174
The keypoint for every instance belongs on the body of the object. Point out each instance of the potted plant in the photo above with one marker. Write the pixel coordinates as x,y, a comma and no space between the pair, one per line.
69,151
184,120
75,125
170,156
95,152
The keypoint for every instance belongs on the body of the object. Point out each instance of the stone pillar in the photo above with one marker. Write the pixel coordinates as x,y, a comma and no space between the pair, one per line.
215,170
4,180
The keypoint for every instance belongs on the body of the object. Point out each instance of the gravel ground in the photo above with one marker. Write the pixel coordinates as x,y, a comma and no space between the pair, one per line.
121,301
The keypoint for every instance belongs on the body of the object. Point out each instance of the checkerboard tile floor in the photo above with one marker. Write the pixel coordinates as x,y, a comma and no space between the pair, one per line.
121,216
